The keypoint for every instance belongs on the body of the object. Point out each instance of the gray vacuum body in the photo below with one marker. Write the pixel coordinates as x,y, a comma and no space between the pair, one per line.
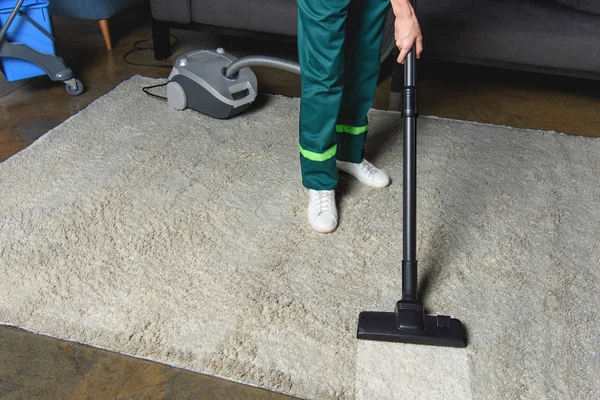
198,81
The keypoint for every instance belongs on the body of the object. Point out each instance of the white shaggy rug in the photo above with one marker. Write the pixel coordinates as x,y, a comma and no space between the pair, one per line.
183,239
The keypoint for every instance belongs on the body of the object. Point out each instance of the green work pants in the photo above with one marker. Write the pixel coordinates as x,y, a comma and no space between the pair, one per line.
338,46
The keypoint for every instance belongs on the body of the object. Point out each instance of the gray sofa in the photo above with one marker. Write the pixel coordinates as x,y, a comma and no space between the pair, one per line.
550,36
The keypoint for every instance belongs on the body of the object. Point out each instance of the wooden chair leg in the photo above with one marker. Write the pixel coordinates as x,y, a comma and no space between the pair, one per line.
105,33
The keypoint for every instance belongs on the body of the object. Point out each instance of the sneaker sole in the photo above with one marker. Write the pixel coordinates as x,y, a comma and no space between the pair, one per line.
369,183
322,230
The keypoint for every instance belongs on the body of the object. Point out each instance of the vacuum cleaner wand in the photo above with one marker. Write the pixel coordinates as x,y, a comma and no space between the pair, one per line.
408,323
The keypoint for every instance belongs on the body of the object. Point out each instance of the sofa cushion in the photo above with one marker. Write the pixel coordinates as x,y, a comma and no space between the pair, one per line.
524,33
271,16
590,6
171,10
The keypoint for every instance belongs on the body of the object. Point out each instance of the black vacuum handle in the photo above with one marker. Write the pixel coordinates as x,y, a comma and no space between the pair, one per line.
410,114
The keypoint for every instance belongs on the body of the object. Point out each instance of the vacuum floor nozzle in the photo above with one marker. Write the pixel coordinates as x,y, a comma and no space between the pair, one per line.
409,324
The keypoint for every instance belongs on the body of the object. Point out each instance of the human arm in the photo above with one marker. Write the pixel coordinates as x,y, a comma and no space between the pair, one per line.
407,31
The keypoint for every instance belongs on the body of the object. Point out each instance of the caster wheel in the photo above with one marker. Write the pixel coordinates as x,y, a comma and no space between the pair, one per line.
77,91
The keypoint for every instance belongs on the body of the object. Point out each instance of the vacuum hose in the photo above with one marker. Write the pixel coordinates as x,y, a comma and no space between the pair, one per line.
387,46
261,61
285,65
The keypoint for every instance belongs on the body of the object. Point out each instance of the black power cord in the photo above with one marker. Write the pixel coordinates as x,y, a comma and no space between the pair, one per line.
145,89
137,46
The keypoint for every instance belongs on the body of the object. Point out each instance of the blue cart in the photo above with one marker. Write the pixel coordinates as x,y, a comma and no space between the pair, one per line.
27,45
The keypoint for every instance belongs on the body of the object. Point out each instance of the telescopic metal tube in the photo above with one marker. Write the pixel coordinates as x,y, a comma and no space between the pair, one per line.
410,113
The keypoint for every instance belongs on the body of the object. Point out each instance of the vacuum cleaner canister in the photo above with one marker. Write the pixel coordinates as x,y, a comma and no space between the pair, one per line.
198,81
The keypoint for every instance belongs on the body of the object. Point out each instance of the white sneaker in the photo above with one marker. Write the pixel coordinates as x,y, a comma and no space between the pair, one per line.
365,172
322,213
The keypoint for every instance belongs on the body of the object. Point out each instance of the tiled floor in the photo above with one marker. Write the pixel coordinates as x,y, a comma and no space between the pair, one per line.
38,367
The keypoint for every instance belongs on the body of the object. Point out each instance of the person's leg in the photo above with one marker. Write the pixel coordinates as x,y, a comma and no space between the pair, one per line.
321,35
364,33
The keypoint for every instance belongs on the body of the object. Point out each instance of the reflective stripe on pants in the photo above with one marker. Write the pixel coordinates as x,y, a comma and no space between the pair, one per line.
338,47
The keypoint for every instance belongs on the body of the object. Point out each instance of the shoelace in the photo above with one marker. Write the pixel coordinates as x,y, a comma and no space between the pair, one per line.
325,201
368,168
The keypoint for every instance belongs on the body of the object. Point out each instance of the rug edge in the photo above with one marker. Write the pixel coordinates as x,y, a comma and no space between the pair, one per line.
371,110
435,117
137,357
44,136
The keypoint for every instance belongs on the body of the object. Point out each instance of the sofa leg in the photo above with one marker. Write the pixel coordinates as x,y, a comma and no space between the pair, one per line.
161,40
397,76
395,96
105,33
